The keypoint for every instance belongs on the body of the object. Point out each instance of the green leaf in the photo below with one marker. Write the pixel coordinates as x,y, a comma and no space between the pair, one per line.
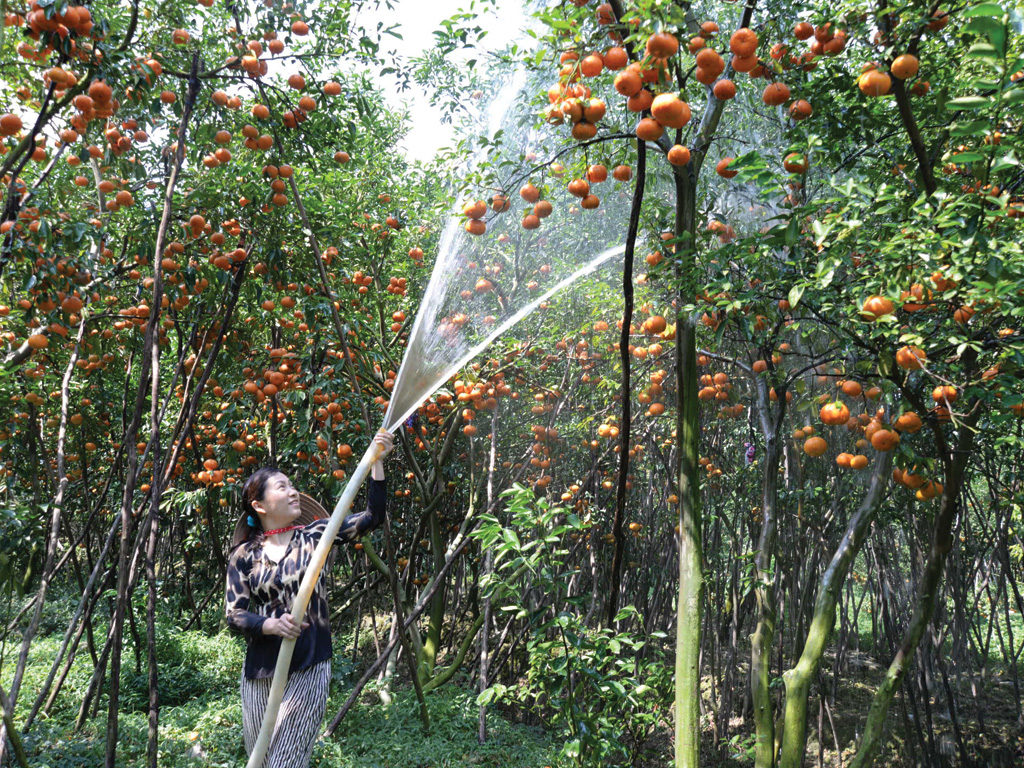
966,157
795,294
994,267
984,9
971,128
793,232
1009,160
1013,95
969,102
886,363
982,50
995,32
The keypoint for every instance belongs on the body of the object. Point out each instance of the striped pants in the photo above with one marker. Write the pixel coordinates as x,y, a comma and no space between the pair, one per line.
298,720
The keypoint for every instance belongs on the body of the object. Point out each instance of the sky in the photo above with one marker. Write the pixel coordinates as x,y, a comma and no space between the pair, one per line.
418,19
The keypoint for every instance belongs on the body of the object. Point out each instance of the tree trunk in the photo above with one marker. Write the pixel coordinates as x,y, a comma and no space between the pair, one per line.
765,595
488,566
625,394
798,679
690,600
152,338
942,542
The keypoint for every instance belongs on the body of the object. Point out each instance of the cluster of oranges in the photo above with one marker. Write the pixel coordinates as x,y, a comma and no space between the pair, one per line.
875,81
73,24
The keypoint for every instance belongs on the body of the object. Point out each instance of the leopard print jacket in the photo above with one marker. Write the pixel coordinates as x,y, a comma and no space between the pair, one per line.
259,589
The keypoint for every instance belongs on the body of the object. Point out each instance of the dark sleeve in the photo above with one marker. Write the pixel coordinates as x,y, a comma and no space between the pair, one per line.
359,524
237,594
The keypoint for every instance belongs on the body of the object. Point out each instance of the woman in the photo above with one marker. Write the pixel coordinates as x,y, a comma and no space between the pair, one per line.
265,568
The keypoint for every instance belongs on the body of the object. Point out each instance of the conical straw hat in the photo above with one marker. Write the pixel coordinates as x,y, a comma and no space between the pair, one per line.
311,510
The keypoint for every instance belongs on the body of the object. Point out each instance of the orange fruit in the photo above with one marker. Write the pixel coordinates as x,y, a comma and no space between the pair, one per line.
679,155
795,163
529,193
649,129
670,111
775,94
800,110
834,414
815,446
628,83
874,82
661,45
905,66
743,42
615,58
722,169
724,90
910,358
876,307
908,422
884,440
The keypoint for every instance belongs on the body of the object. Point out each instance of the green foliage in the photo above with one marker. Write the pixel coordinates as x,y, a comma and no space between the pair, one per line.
188,662
609,690
200,717
22,528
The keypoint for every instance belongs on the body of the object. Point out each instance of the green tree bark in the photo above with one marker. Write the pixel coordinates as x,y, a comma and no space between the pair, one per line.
798,679
690,599
764,592
942,542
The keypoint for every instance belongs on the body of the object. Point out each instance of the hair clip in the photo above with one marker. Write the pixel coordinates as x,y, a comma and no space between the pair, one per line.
251,521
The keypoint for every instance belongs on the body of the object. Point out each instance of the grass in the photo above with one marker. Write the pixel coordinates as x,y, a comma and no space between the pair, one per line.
200,716
200,720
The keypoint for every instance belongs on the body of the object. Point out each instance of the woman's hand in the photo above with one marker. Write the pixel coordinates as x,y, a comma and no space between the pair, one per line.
284,626
386,441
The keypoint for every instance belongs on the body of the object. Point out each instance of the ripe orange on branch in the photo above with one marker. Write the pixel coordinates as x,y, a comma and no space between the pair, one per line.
795,163
743,42
679,155
724,90
661,45
874,83
884,440
815,446
775,94
723,170
669,110
649,129
876,307
905,66
834,414
910,358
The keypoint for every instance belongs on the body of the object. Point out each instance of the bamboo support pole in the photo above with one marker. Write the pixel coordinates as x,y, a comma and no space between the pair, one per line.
309,580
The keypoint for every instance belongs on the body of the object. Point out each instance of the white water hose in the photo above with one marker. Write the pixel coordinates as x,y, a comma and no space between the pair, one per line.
316,564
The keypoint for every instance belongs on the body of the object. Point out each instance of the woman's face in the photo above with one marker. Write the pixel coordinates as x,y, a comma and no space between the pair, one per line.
280,503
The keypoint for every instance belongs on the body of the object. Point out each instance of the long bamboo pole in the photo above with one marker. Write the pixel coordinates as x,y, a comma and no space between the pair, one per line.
309,580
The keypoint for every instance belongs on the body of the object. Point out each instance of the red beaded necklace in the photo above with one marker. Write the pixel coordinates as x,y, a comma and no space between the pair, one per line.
282,530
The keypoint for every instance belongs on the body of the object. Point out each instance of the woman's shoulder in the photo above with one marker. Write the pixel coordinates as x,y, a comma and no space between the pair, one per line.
315,529
241,555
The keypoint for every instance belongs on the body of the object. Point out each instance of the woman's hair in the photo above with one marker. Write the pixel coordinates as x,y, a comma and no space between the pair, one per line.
254,488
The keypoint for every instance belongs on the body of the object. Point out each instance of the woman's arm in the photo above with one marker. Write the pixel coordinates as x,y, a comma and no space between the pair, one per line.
386,441
359,524
237,596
